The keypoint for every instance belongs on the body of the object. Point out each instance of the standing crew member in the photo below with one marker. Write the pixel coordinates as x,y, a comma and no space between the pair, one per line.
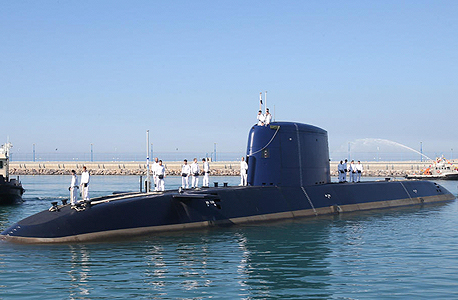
153,170
185,171
195,170
352,171
85,177
206,172
267,117
260,118
340,171
73,188
160,173
345,169
359,170
243,172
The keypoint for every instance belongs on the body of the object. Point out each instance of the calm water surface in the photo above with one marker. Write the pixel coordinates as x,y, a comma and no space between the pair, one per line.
407,253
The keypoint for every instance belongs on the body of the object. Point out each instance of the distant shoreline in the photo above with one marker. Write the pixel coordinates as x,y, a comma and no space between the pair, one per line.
224,168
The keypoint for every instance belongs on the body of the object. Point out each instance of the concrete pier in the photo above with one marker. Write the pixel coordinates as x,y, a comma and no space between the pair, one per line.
223,168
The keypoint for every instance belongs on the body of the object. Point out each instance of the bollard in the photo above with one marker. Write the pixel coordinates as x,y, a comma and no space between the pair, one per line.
216,184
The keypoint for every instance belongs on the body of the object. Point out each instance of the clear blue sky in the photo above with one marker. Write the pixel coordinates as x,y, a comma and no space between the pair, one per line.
74,73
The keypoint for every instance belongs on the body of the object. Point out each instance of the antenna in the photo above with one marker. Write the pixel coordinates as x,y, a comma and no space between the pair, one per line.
265,103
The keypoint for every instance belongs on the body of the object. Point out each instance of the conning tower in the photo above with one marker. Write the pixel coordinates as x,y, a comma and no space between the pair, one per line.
288,154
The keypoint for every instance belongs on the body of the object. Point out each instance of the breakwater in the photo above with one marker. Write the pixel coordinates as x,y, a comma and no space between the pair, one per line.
224,168
230,168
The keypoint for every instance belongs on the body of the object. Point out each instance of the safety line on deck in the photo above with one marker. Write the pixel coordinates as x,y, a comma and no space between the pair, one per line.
310,201
406,190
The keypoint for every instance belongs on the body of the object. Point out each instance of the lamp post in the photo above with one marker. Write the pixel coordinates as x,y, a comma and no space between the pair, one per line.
421,151
148,184
92,153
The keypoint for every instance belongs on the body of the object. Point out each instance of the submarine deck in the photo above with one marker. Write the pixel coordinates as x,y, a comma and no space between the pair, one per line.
134,214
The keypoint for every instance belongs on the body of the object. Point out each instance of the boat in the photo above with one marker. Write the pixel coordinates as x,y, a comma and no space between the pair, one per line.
11,189
288,177
441,169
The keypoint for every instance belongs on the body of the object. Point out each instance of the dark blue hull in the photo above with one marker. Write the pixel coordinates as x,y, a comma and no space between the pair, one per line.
128,215
10,193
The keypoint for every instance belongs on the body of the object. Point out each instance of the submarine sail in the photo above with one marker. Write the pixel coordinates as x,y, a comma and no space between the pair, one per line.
288,154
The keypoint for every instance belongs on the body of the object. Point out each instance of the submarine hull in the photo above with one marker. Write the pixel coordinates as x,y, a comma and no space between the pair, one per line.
288,177
138,214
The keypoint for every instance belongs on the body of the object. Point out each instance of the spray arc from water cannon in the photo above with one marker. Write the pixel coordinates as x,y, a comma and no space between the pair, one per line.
371,142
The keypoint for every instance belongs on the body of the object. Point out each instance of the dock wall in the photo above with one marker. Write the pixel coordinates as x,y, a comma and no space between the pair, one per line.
223,168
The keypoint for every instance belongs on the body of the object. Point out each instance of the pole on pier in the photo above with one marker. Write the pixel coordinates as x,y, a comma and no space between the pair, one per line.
148,183
421,151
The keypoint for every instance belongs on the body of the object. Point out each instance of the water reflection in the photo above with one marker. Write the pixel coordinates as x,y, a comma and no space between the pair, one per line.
79,271
286,260
345,256
268,261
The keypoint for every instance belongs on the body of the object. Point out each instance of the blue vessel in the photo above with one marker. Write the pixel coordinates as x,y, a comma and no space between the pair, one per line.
288,177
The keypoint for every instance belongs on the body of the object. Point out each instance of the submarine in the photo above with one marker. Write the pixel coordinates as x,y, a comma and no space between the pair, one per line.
288,177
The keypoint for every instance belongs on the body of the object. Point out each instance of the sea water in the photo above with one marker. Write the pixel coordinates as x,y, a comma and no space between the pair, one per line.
405,253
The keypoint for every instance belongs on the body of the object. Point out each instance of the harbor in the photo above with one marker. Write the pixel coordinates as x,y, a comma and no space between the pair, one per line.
273,95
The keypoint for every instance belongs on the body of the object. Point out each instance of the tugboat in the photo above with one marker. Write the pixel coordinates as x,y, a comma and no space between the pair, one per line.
11,190
288,177
440,169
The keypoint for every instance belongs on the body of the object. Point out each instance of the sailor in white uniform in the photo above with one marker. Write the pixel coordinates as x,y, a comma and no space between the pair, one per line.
267,117
206,171
153,170
345,169
85,177
243,172
195,170
73,188
185,171
340,171
160,173
352,171
261,118
359,170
